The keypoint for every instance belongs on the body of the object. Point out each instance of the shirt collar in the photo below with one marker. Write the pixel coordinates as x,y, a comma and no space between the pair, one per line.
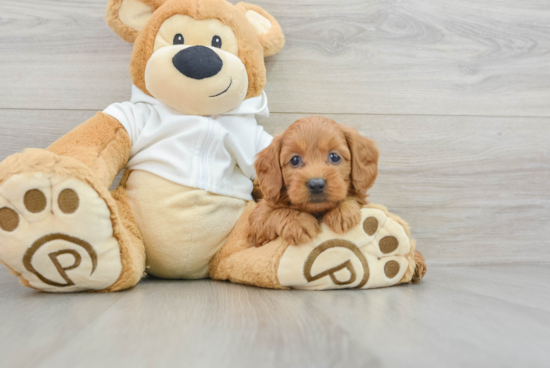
251,106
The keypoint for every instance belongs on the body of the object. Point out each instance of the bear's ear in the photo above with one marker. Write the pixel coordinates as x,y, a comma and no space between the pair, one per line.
128,17
267,29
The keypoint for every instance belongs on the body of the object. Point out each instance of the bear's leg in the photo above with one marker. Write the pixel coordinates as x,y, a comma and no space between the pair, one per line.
133,261
61,230
377,253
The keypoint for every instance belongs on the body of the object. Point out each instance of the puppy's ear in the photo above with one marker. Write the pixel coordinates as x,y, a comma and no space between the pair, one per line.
267,29
128,17
268,170
364,160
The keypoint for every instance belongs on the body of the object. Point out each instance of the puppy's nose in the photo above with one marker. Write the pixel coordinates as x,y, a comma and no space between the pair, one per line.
316,185
198,62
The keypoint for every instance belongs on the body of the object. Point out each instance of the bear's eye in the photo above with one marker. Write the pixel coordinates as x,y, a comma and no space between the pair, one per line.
334,158
295,161
217,42
178,39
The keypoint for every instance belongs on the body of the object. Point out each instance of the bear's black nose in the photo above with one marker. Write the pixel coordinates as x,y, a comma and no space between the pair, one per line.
198,62
316,185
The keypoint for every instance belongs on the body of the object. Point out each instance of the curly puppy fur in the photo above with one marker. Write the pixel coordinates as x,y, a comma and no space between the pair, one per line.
290,209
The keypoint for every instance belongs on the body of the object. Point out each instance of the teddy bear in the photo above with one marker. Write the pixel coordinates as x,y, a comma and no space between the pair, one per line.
187,141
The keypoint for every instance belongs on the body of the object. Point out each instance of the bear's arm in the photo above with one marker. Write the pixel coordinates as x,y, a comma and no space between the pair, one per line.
101,143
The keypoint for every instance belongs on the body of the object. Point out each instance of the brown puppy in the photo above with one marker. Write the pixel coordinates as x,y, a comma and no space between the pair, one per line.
316,170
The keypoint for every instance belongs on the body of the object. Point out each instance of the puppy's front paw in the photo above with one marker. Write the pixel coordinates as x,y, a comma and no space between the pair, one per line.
344,217
260,235
301,229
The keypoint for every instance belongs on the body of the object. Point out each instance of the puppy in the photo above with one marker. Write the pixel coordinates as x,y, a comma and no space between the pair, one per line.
316,170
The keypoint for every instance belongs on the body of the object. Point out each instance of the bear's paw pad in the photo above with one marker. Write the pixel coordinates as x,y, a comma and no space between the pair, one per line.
57,234
371,255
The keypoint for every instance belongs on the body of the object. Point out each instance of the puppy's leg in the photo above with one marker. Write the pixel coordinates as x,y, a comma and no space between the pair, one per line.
297,227
294,227
261,230
240,262
344,217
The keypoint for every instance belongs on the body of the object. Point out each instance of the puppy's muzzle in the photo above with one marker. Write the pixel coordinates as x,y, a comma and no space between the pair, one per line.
316,185
198,62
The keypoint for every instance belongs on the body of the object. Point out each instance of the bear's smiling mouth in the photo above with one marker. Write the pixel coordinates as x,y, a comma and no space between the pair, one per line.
221,93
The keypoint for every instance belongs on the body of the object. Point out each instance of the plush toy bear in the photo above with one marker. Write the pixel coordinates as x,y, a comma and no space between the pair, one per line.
188,139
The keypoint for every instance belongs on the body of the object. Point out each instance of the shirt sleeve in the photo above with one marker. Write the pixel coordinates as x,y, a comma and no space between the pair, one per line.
132,116
263,139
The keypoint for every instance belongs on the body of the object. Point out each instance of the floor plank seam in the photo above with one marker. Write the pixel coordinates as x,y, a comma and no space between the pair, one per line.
483,264
325,113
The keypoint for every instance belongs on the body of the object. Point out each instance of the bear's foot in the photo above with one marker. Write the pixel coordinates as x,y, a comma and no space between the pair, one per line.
56,233
377,253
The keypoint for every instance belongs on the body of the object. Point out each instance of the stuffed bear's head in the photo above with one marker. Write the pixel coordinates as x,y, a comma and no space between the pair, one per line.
200,57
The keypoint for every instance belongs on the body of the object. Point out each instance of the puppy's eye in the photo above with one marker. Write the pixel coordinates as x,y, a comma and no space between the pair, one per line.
295,161
178,39
217,42
334,158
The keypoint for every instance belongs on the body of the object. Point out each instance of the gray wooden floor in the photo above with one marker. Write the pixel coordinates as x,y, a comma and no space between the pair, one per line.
485,316
457,95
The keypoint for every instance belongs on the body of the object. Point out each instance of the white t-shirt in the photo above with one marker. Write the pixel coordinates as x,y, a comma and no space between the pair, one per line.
215,153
